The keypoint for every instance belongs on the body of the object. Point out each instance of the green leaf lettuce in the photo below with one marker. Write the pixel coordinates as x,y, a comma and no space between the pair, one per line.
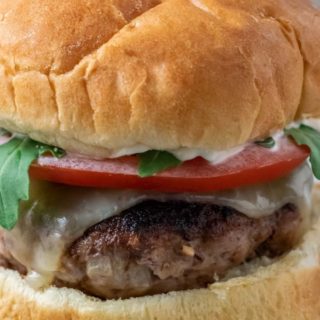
305,135
153,161
16,157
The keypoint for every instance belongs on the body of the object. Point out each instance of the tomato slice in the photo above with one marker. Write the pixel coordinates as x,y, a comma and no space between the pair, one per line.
255,164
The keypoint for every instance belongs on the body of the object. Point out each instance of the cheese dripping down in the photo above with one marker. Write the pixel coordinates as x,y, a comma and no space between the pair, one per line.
57,215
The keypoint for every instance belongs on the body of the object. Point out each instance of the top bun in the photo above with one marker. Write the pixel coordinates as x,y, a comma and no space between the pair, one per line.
94,76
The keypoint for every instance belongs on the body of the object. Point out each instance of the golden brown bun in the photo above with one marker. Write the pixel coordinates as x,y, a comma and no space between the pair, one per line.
92,76
289,288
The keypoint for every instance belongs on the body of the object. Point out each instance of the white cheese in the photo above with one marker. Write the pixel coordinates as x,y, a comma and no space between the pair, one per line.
57,215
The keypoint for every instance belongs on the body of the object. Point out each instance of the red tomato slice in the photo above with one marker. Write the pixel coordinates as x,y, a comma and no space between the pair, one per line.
255,164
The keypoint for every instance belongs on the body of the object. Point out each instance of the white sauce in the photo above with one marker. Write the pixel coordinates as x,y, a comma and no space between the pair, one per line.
57,215
314,123
184,154
213,156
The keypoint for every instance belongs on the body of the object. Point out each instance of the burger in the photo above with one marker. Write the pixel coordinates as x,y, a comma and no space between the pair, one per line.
157,159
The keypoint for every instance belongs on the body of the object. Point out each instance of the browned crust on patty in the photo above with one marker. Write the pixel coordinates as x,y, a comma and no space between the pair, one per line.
157,247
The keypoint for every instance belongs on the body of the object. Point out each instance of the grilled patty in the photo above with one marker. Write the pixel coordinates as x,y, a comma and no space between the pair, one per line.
157,247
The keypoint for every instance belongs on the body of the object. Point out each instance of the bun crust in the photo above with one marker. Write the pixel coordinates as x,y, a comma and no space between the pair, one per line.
288,288
94,76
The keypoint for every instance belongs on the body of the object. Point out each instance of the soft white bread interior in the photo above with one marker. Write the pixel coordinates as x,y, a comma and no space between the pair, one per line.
94,76
288,288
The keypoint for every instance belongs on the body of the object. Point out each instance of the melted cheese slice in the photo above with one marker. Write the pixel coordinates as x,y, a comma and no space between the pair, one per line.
57,215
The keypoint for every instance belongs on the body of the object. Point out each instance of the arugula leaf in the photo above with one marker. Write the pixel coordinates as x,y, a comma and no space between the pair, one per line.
305,135
16,157
266,143
153,161
4,132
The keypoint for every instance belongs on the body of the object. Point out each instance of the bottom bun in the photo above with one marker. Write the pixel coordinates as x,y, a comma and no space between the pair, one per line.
288,288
